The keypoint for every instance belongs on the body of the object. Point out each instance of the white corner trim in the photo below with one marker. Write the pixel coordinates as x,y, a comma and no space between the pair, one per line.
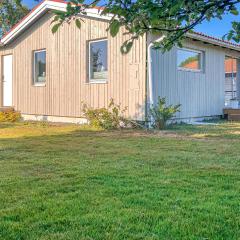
40,10
56,119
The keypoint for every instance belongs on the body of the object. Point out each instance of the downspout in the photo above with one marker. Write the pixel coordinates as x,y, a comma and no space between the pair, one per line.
150,80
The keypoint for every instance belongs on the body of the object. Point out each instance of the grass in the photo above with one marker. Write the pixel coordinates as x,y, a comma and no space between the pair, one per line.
73,182
215,129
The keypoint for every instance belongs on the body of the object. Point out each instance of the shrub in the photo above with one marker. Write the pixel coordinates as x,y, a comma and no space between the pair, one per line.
160,113
10,116
106,118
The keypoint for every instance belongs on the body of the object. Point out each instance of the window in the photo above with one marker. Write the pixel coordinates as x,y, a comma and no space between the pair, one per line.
188,59
39,67
98,62
229,75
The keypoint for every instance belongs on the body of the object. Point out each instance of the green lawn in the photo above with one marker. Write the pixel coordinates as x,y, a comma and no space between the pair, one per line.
72,182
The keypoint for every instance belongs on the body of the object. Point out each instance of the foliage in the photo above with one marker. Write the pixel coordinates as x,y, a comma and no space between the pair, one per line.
106,118
10,116
160,113
11,11
234,33
172,19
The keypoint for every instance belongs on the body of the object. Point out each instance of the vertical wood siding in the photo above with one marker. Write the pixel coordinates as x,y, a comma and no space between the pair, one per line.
66,70
200,93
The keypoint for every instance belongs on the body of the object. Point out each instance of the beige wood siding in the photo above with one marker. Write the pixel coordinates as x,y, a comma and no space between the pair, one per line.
201,94
67,66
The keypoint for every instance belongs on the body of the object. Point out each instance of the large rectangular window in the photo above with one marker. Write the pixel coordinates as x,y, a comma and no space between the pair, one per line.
98,61
189,60
40,67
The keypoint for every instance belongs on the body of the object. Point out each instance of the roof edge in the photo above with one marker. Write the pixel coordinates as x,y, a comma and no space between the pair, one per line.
213,40
38,11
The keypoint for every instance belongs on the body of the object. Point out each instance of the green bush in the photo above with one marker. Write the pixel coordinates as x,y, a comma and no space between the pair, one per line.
160,113
10,116
106,118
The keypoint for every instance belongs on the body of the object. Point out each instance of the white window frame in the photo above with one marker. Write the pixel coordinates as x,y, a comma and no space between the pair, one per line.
201,60
90,80
35,83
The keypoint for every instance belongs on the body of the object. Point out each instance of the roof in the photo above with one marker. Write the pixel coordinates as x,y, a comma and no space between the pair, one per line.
213,40
60,5
40,10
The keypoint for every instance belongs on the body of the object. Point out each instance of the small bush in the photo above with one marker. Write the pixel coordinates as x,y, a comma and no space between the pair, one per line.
160,113
10,116
106,118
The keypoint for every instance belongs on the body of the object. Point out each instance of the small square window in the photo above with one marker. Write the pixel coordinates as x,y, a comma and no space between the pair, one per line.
189,60
40,67
98,61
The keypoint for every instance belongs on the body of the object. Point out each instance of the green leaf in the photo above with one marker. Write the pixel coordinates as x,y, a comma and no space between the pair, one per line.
56,18
114,28
76,2
234,12
69,7
126,47
56,27
57,12
78,23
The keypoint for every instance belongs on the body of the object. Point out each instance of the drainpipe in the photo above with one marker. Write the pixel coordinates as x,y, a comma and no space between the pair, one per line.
150,80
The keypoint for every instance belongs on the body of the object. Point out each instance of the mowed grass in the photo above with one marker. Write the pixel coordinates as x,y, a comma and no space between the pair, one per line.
74,182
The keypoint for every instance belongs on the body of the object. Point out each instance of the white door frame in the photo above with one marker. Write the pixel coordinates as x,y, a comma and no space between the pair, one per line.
7,101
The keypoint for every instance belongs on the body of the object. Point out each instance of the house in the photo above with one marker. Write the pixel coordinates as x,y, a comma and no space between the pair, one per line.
48,76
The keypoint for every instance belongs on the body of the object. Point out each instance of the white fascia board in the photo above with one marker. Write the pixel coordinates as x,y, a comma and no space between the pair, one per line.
40,10
60,6
90,12
96,13
25,22
213,41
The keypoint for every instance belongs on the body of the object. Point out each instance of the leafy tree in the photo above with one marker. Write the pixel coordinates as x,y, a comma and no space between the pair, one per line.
171,18
234,34
11,11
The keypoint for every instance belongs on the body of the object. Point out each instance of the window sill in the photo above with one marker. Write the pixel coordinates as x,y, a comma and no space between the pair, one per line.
190,70
39,85
95,81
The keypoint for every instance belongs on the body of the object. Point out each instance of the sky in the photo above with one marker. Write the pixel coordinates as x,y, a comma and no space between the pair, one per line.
216,28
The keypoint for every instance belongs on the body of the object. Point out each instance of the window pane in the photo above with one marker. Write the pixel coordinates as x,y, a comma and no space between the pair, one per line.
189,59
98,60
40,67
